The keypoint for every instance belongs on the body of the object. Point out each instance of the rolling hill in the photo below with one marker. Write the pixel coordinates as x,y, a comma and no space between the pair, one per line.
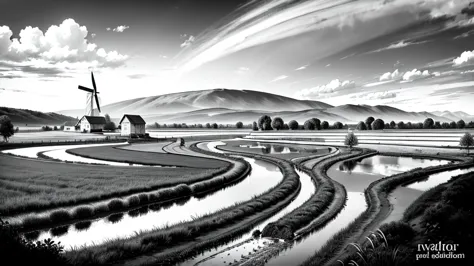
206,99
24,116
229,106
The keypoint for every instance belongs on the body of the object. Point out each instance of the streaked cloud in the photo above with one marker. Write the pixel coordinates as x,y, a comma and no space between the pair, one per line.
301,68
188,41
377,95
279,78
398,45
415,74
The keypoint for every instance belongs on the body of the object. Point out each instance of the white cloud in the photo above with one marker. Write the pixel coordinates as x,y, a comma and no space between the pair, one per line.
467,71
93,35
466,58
60,43
282,77
332,87
415,74
108,29
188,41
390,75
120,28
378,95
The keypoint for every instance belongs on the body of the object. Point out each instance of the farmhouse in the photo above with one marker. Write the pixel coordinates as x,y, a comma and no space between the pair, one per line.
69,126
132,124
91,123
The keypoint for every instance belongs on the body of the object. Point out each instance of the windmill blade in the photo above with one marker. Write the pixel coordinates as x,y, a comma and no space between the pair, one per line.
85,89
93,82
97,101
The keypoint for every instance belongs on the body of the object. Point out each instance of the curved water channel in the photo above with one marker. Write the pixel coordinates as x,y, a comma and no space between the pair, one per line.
263,177
59,153
355,177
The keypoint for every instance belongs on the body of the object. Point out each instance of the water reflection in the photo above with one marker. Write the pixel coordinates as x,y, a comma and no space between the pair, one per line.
60,230
268,148
124,225
436,179
31,236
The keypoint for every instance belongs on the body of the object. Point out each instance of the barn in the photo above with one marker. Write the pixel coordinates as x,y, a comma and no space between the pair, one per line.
132,125
91,123
69,126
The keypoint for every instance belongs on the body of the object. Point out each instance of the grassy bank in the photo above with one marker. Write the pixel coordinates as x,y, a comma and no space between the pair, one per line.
25,188
441,215
239,170
378,204
164,239
286,226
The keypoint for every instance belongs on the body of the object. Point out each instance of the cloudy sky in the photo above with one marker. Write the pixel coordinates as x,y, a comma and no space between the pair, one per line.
413,55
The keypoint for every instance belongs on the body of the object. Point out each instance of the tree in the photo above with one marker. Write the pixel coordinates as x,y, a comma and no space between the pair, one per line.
254,126
309,125
277,123
428,124
239,125
55,128
208,125
401,125
378,124
387,125
286,127
392,124
445,125
351,140
461,124
265,122
110,126
107,118
409,125
338,125
369,122
325,125
361,126
437,124
157,125
6,127
317,123
453,124
466,141
293,125
214,126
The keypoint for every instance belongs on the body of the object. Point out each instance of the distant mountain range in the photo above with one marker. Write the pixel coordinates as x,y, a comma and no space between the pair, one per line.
230,106
24,116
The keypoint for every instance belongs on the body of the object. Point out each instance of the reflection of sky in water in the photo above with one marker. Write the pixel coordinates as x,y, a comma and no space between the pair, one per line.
281,148
307,190
385,165
260,180
303,249
33,151
439,178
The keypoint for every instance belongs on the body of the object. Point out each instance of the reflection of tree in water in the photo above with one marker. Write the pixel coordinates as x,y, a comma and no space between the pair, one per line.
278,148
348,166
134,213
60,230
266,149
182,201
386,160
81,226
155,207
32,235
115,218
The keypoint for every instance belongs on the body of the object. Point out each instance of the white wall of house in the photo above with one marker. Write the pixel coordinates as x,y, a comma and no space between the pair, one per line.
128,128
85,125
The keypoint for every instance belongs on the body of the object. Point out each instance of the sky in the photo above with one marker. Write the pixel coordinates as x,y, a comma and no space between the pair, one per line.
412,55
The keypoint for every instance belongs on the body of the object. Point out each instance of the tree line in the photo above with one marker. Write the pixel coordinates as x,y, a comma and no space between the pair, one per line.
265,122
207,125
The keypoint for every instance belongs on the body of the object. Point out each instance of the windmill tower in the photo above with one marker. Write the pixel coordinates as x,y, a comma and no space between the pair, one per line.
92,96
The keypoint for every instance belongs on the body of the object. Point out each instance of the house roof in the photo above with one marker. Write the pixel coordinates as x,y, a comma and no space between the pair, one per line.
70,123
94,120
134,119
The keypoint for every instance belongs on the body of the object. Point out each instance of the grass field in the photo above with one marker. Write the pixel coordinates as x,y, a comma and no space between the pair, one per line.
121,155
27,185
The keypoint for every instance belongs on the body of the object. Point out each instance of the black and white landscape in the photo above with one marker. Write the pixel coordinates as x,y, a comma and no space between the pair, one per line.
236,132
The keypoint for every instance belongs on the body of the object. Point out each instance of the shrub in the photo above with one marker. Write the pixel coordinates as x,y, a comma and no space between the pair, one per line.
317,123
6,127
239,125
133,201
82,212
254,126
143,198
60,216
325,125
115,205
338,125
309,125
428,124
369,122
265,122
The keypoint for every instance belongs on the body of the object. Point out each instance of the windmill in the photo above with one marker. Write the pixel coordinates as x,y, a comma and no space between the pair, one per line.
91,96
